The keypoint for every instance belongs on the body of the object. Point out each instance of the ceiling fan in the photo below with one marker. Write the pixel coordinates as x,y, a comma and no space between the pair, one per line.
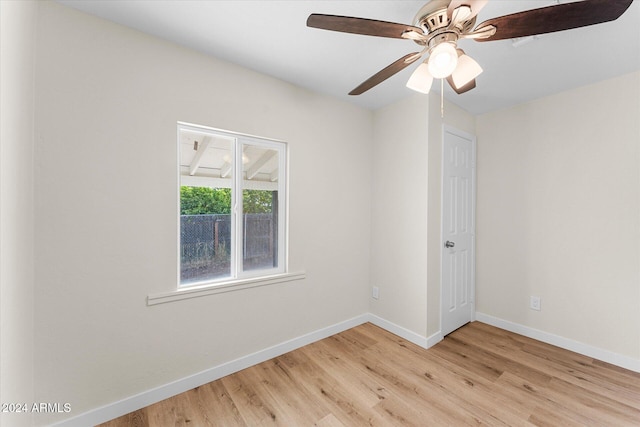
440,24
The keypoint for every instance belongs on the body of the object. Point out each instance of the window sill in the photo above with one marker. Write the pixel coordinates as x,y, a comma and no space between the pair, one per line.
235,285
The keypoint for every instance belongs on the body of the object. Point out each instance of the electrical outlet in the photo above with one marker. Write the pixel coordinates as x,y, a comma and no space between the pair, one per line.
375,292
534,303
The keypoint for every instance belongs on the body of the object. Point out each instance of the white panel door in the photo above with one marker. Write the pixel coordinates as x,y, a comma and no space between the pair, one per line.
458,229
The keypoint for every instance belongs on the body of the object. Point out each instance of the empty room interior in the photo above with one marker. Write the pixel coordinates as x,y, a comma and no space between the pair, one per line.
395,257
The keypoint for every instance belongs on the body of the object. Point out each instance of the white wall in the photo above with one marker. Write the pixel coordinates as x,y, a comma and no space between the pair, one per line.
399,213
559,214
108,99
17,47
405,236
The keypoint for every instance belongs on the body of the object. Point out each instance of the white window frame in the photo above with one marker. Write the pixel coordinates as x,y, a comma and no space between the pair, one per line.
238,276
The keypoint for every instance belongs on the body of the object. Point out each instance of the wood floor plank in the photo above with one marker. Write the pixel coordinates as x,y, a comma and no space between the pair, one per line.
290,396
497,361
567,407
254,407
576,369
545,417
339,394
368,387
608,410
406,381
478,394
478,375
329,421
216,403
171,412
134,419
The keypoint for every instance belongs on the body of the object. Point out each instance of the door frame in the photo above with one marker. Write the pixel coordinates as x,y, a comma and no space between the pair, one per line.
455,131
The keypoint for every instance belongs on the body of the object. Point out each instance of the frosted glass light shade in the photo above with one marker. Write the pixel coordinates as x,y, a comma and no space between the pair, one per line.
467,70
421,79
443,60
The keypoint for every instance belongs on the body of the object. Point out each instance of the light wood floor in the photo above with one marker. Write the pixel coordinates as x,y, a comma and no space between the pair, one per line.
478,375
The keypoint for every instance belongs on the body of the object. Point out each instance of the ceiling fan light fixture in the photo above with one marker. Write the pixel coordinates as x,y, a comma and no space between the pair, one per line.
443,60
421,79
467,70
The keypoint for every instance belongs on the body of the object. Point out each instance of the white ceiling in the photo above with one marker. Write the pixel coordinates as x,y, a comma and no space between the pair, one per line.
271,37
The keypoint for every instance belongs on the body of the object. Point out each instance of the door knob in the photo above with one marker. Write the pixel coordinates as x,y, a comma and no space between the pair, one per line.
449,244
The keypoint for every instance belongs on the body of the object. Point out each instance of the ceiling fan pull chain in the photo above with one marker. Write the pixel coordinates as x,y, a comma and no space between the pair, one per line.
442,98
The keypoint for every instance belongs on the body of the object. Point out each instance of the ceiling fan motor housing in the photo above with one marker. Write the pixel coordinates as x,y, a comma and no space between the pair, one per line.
431,20
444,37
434,20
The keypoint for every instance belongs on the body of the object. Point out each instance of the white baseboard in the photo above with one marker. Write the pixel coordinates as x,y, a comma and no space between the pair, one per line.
434,339
406,333
562,342
149,397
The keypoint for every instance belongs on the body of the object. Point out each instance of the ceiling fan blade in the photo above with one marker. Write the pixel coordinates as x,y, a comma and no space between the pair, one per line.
386,72
475,6
555,18
367,27
460,90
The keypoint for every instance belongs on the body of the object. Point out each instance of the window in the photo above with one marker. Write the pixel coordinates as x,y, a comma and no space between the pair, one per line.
232,206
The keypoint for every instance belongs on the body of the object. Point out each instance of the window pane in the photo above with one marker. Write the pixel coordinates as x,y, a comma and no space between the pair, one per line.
205,236
260,208
205,207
